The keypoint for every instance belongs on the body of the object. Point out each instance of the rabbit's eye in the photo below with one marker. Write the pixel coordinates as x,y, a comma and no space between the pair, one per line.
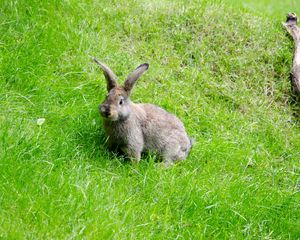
121,101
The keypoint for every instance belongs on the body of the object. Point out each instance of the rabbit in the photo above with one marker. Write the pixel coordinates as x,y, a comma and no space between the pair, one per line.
137,128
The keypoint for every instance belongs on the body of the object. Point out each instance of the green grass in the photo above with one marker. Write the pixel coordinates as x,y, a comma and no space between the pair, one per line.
222,67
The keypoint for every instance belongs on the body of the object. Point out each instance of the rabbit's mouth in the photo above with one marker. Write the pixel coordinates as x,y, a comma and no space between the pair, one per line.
110,117
108,113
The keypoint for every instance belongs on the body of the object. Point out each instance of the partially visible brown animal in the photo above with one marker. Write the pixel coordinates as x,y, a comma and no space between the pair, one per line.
294,30
136,128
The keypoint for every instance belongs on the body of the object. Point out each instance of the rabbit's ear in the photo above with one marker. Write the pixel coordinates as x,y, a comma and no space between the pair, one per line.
131,79
110,77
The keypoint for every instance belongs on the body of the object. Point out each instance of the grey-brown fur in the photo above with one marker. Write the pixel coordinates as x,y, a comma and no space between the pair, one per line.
137,128
294,30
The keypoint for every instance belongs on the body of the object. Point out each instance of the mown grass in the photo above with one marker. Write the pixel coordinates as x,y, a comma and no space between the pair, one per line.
222,67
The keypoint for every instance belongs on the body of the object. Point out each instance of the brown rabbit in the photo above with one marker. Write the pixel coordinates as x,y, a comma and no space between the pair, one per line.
136,128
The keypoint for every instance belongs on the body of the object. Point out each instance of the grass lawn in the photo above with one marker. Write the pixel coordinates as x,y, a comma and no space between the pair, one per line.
221,66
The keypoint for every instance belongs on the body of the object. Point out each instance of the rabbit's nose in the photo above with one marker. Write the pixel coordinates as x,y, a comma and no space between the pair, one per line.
104,110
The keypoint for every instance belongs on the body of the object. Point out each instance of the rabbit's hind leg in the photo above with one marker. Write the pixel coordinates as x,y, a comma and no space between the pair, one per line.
173,155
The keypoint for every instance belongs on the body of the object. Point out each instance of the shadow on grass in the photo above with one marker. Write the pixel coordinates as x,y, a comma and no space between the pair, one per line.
91,142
